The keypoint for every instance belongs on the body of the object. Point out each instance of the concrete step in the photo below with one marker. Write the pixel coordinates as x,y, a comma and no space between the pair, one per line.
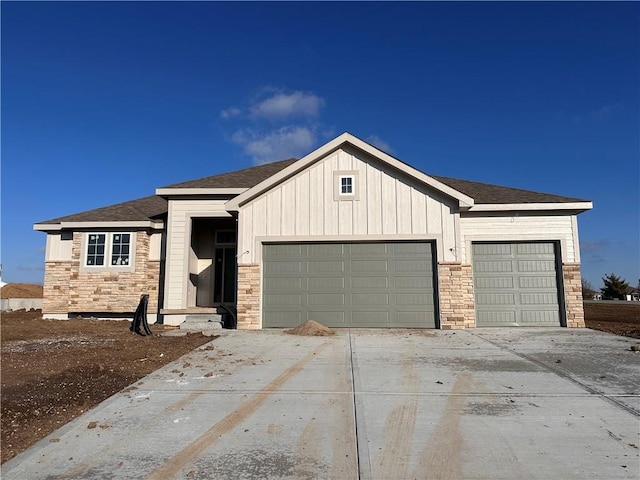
200,326
203,317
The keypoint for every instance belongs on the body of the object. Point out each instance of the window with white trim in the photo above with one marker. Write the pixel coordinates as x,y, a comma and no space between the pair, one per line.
108,250
96,244
345,185
120,249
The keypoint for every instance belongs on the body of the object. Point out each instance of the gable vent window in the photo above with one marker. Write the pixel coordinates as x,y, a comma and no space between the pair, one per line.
346,185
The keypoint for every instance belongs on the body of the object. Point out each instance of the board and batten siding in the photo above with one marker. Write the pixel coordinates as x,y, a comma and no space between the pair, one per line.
389,205
179,254
523,228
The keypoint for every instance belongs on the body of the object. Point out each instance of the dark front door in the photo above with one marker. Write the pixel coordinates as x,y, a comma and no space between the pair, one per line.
224,284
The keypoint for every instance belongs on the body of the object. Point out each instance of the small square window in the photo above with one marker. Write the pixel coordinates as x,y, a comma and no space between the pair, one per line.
346,185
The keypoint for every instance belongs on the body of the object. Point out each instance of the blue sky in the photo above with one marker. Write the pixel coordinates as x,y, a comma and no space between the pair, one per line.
104,102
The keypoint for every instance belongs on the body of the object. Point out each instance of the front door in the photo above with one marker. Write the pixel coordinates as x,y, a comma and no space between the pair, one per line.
224,283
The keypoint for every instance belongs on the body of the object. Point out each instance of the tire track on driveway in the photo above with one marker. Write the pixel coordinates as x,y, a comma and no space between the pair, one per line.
561,373
177,462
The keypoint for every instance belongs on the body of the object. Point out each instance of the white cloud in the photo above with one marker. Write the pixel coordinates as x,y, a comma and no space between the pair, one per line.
376,141
282,106
282,143
230,113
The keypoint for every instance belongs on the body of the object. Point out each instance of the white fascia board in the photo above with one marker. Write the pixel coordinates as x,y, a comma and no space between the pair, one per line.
169,192
45,227
505,207
234,204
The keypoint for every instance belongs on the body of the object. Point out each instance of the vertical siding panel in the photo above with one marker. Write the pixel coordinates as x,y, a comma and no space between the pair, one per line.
259,217
274,212
345,217
302,204
345,161
418,212
448,232
360,205
434,217
374,197
389,204
316,197
288,208
330,205
403,206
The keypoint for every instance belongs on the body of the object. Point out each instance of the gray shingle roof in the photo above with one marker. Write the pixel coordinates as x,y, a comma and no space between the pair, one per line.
141,209
155,207
245,178
487,193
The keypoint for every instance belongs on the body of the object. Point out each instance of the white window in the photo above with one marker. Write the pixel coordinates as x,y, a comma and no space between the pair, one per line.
345,185
120,249
109,250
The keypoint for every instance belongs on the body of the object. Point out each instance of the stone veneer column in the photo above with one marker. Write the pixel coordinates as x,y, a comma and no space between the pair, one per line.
573,295
56,287
248,297
455,284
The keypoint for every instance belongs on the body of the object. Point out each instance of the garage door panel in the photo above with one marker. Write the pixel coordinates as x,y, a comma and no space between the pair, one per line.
333,318
325,283
286,283
367,283
352,284
496,299
519,290
412,265
537,282
361,266
494,266
370,318
540,317
411,282
283,319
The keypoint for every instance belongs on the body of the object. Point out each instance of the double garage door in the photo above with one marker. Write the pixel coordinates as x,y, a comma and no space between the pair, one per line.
349,284
516,284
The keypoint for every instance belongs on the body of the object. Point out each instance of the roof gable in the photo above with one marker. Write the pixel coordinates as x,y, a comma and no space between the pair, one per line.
326,149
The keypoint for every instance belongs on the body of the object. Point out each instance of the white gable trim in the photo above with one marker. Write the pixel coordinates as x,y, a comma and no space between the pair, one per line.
168,192
506,207
304,162
47,227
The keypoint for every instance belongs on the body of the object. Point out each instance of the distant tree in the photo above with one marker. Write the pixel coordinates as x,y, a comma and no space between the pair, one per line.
587,290
614,287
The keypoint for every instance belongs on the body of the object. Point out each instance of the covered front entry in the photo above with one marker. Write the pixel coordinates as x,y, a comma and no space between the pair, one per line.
516,284
381,284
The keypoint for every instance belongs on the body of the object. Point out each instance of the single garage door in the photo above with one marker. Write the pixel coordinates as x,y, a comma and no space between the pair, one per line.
516,284
349,284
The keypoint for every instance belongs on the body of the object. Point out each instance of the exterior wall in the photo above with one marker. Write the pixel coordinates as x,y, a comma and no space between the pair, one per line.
179,254
55,291
455,289
520,227
70,288
573,295
248,311
388,205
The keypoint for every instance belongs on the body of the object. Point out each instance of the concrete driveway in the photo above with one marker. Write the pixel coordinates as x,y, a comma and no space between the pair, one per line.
546,403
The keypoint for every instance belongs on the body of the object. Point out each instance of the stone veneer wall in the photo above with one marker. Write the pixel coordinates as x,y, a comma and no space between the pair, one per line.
573,295
55,292
248,310
455,289
68,288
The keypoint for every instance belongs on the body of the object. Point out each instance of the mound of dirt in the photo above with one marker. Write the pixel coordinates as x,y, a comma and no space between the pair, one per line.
21,290
311,328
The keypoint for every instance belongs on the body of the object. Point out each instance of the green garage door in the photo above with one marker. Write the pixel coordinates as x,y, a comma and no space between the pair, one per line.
349,284
515,284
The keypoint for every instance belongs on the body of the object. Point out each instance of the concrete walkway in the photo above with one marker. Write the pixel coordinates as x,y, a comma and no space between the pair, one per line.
544,403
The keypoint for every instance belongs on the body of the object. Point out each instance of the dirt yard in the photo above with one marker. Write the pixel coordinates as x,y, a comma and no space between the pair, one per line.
53,371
